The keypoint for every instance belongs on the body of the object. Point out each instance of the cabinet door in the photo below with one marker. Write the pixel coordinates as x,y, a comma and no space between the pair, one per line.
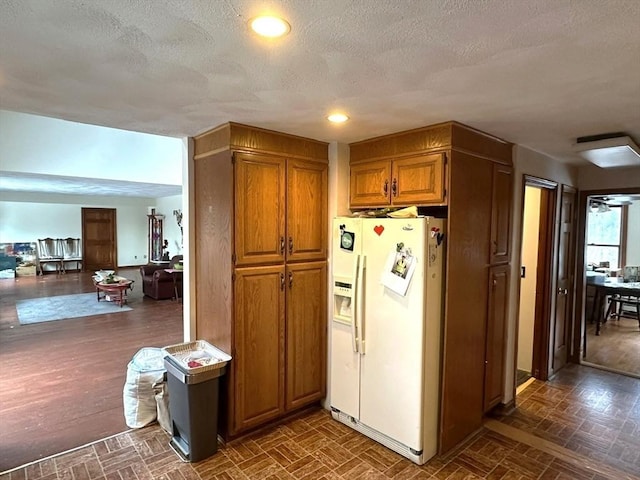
501,214
259,209
418,180
306,333
306,210
496,336
258,359
370,184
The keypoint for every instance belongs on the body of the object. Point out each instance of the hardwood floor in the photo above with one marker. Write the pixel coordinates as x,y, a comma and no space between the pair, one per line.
61,381
617,348
583,424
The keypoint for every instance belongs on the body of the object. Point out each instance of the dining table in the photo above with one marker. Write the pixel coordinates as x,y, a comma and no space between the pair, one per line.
606,289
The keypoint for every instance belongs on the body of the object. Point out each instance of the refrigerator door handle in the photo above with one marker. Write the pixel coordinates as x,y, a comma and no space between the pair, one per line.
360,303
356,306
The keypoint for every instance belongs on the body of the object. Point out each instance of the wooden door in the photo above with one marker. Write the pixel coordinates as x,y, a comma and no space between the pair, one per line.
418,180
370,184
259,209
496,340
99,240
564,280
258,358
501,214
306,333
306,210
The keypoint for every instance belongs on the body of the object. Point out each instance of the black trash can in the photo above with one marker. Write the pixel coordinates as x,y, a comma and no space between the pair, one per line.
193,372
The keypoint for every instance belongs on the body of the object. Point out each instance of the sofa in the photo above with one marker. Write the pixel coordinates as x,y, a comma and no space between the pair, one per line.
158,284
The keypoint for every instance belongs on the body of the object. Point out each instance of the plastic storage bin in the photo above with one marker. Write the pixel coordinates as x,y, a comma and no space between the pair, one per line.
193,371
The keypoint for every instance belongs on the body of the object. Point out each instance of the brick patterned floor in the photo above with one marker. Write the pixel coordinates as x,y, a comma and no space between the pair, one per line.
594,415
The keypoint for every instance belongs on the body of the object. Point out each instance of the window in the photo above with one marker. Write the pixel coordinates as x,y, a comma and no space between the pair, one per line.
604,230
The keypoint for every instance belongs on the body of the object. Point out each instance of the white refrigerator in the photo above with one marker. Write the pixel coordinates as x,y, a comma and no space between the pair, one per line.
386,330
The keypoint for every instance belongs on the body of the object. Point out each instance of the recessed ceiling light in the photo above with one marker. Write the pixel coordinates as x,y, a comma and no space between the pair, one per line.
337,118
270,26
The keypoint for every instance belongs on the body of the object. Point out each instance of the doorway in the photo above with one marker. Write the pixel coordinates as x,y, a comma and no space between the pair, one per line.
609,242
534,318
99,241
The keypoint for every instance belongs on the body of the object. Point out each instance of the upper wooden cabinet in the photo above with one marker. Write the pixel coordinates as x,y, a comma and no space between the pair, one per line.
406,181
281,209
501,214
260,209
306,210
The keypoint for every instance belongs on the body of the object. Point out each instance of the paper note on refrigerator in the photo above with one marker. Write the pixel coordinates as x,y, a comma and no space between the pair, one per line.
398,271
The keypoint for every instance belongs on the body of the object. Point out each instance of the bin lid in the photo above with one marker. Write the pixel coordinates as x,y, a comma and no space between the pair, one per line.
197,357
148,359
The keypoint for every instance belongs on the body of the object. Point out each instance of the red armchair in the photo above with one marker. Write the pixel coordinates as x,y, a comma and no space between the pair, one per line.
158,284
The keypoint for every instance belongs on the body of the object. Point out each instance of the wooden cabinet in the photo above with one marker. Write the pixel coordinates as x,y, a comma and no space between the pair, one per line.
280,314
281,209
259,345
260,221
412,180
306,326
473,188
501,214
496,340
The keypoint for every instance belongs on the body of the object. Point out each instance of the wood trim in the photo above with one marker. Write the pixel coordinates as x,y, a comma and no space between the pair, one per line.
581,239
237,136
624,219
432,138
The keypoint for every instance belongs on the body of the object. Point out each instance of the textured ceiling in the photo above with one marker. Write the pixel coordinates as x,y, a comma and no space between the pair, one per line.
539,73
38,183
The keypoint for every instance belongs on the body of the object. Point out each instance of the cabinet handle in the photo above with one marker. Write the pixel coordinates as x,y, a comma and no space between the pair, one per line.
386,187
282,282
290,280
290,245
281,245
394,187
562,291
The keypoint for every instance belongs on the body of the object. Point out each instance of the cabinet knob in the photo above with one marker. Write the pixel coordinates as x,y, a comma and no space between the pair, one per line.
281,245
282,282
290,245
290,280
394,187
386,187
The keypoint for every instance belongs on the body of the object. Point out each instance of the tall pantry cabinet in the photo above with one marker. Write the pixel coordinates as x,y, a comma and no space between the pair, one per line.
260,211
466,175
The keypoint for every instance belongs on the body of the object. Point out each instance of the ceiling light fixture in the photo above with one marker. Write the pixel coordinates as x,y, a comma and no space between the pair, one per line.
609,150
270,26
337,118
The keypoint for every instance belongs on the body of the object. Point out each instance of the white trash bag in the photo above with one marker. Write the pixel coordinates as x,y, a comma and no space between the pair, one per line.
144,373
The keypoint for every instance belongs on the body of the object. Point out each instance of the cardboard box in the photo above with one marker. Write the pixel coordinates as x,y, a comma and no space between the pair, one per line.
27,271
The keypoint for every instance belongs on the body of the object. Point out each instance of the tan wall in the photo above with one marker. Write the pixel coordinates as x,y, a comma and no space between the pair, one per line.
529,260
526,162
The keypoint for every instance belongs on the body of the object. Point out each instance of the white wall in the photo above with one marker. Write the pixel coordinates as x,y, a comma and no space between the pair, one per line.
526,162
591,177
529,259
338,206
165,206
33,144
633,234
27,217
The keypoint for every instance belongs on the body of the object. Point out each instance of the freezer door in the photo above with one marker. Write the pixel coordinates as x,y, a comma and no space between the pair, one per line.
391,381
345,360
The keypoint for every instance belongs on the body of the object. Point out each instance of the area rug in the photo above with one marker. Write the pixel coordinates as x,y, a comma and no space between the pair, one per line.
36,310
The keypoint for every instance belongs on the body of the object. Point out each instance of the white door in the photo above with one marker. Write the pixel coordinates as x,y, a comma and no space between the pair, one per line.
391,384
345,360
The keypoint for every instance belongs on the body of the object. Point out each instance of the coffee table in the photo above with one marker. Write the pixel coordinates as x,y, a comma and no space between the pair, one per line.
117,290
